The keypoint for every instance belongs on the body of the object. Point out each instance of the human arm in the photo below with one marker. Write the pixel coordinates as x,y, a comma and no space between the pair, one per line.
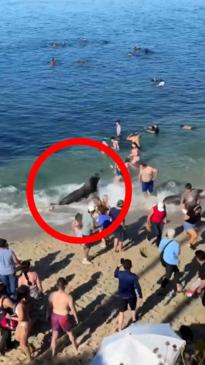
149,215
116,272
71,305
138,289
155,173
201,287
15,259
39,284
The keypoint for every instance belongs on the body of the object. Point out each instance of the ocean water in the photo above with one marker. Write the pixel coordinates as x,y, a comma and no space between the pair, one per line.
95,83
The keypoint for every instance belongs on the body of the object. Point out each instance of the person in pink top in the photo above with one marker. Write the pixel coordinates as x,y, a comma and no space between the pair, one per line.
30,278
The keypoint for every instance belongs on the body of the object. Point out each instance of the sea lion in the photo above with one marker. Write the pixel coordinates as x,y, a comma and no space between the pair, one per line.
88,188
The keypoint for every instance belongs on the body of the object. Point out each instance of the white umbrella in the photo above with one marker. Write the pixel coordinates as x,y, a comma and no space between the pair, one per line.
141,344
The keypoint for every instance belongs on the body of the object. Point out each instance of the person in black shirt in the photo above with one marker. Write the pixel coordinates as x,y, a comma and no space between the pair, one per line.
129,290
200,257
119,233
191,220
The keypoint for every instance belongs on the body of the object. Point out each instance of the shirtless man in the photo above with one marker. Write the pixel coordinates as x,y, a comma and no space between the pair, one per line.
60,306
189,197
147,175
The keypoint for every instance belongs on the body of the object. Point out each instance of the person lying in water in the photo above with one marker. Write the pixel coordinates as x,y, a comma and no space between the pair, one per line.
188,127
153,129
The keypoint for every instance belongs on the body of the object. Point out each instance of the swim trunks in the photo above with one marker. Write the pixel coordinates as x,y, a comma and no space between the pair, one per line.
60,322
147,187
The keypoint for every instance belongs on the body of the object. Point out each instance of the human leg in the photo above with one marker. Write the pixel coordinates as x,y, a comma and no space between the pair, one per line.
73,340
12,285
53,342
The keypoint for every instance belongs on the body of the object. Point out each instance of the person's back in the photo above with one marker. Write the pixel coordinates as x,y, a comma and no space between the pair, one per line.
60,302
171,251
126,284
190,196
147,173
6,261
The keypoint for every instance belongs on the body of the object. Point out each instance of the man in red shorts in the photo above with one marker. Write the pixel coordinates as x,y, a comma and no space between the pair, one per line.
61,305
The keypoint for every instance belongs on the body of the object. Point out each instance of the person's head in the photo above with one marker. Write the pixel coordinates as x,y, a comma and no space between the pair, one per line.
78,218
102,209
188,186
61,283
200,256
117,122
3,243
91,207
186,333
23,293
120,203
143,165
25,266
127,264
161,207
170,233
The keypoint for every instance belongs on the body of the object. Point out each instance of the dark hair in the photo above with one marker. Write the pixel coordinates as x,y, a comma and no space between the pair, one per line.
200,255
78,218
143,164
127,264
25,266
188,186
61,283
186,333
3,243
22,292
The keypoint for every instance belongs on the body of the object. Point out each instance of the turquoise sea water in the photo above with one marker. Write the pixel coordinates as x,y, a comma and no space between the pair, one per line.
95,83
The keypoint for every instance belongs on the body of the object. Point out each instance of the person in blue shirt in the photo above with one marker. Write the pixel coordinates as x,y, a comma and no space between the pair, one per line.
103,221
169,249
129,290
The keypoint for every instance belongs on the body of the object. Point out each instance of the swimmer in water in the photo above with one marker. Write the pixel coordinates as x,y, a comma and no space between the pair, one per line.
52,62
118,128
188,127
135,155
115,143
134,138
158,82
152,129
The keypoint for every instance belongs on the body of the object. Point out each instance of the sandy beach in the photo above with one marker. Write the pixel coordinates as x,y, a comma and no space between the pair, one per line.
95,289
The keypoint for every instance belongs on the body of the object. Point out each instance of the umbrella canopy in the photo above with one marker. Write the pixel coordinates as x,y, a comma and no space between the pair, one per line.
143,344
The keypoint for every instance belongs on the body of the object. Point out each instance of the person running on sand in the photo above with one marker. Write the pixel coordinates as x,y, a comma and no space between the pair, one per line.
129,290
23,327
88,226
61,305
135,155
119,233
31,279
134,138
192,219
169,249
147,175
155,222
189,197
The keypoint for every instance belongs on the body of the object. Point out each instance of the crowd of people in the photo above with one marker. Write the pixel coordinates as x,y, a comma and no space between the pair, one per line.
21,288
